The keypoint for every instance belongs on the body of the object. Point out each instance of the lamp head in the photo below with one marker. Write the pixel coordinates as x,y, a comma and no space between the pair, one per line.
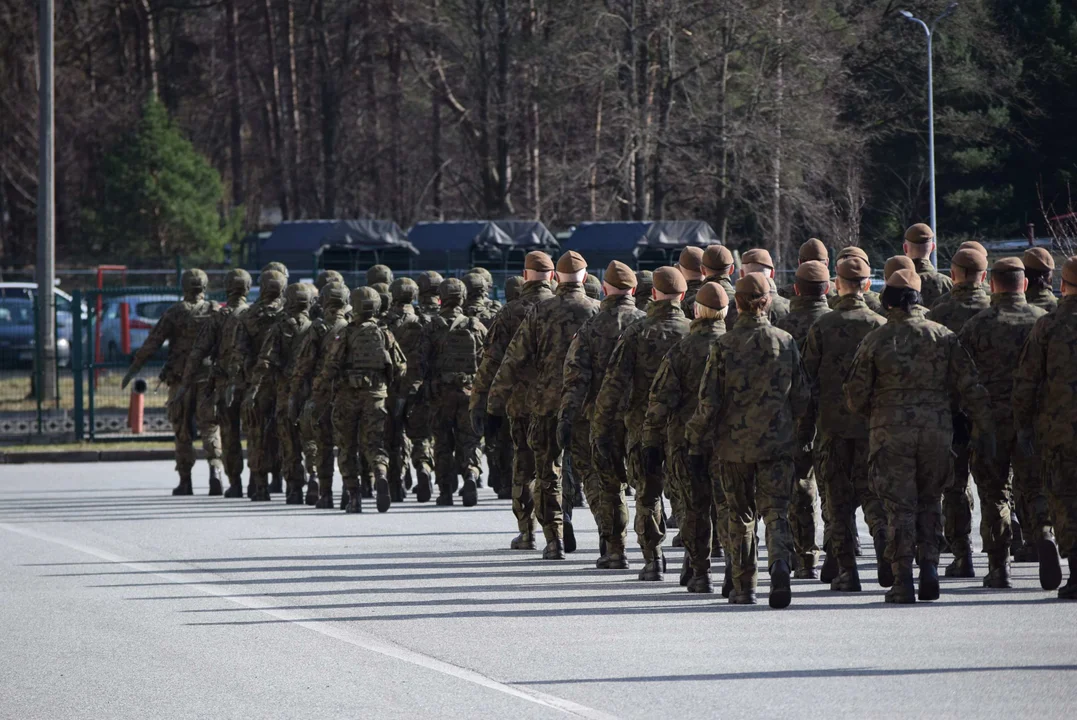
907,15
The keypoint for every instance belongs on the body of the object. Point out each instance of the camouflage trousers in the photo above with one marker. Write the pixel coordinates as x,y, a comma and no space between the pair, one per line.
290,440
842,467
523,475
957,504
317,422
417,427
583,468
610,508
228,418
549,493
399,450
650,520
997,488
499,459
693,521
359,420
197,409
1060,482
802,513
909,468
263,449
456,446
309,438
755,491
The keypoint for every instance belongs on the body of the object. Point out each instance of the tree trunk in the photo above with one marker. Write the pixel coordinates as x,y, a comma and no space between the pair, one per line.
598,155
231,19
277,145
296,145
779,98
396,201
373,139
149,34
501,109
435,121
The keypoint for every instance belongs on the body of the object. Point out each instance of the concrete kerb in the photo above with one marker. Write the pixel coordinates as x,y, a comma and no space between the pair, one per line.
87,456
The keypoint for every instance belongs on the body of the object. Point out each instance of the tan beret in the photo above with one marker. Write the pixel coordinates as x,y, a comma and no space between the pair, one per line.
1010,264
1069,271
853,268
538,261
904,279
712,295
1039,259
919,234
898,262
669,280
757,256
973,245
691,258
620,276
717,257
969,260
571,262
854,251
814,249
813,271
753,284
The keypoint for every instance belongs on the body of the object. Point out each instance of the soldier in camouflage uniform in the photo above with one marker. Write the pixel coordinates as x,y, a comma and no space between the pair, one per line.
592,287
643,289
534,360
538,274
271,376
871,298
407,328
308,432
622,401
919,244
1043,402
260,428
752,392
812,250
690,265
1039,271
759,261
213,345
905,379
450,353
324,278
363,366
585,367
314,414
180,327
379,274
841,441
492,305
477,304
994,338
807,305
671,403
966,299
419,423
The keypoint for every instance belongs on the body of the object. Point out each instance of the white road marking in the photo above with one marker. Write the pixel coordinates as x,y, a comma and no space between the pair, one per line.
361,640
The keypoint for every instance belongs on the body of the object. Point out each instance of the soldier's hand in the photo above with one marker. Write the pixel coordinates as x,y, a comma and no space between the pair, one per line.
697,464
652,460
1026,441
985,445
128,378
494,423
564,433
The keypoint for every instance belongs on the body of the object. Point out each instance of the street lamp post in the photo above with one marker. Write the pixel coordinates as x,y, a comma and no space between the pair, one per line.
930,32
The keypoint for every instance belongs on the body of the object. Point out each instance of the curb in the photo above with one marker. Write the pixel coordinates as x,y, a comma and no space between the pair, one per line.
89,456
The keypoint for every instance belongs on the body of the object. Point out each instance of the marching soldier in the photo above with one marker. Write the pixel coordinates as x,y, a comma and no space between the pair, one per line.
690,265
718,267
643,289
919,244
407,328
759,261
1039,271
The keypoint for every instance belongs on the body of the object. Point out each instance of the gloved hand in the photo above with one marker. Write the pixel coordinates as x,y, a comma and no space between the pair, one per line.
1026,441
478,420
697,464
128,378
564,433
652,460
494,423
985,445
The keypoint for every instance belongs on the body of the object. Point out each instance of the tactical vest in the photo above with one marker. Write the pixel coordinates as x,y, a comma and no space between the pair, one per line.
460,349
367,357
192,319
408,331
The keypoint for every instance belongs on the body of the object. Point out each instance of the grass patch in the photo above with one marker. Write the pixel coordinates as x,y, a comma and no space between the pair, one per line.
16,396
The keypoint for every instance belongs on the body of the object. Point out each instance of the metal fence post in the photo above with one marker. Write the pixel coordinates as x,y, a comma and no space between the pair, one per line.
38,374
76,363
91,365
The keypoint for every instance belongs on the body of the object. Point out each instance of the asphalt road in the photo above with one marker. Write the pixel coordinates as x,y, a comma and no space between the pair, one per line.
119,601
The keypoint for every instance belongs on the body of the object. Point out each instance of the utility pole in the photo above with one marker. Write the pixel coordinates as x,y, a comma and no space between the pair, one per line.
46,209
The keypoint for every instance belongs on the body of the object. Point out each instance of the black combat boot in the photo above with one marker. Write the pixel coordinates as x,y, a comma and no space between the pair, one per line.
886,572
215,489
847,581
469,494
277,486
250,488
687,572
902,591
652,571
445,499
523,541
505,491
829,571
743,597
367,488
184,487
780,592
235,489
261,490
325,499
577,496
1069,590
381,486
1050,569
396,492
700,583
678,541
423,489
727,580
344,498
555,550
613,557
355,503
294,496
1026,553
998,571
929,582
312,491
570,537
805,571
961,567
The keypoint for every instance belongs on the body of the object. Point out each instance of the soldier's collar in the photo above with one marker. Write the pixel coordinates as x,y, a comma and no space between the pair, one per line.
802,301
749,320
846,302
923,265
707,325
1008,298
663,307
611,300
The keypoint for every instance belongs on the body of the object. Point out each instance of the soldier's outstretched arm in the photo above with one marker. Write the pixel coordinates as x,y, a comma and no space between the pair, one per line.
162,331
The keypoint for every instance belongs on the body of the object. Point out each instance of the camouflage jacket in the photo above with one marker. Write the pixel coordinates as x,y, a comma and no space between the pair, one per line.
589,355
1045,383
779,306
536,354
407,329
752,392
934,284
803,312
956,310
428,308
675,390
279,349
731,311
505,325
349,351
311,354
994,338
871,298
179,326
625,392
912,372
214,341
481,309
250,333
689,304
828,354
1042,298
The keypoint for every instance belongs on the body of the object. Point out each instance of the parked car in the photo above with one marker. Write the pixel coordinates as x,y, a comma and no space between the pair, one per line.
144,312
17,332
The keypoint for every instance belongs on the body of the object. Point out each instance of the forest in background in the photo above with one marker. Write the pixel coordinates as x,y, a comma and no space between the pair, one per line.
774,120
